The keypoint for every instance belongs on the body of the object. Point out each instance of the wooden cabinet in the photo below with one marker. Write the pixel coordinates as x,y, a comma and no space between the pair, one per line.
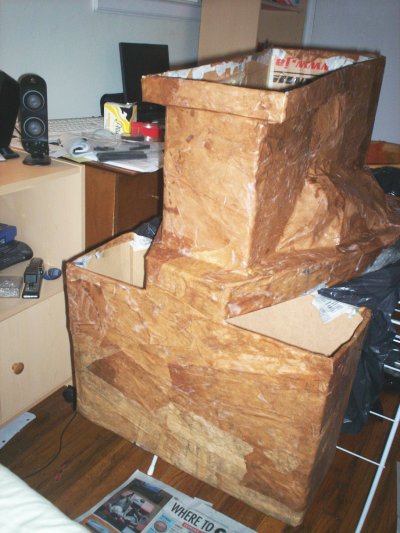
117,200
46,204
49,207
231,27
281,26
227,27
35,355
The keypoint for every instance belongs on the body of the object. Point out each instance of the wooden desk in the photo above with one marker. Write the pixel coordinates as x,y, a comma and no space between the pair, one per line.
117,200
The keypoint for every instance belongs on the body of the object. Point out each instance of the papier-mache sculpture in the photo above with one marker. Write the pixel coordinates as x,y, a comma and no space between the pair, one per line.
206,349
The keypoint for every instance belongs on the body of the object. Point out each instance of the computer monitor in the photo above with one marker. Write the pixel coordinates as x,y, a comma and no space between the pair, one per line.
137,60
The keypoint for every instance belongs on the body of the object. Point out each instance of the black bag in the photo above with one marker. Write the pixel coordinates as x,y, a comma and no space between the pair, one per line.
380,292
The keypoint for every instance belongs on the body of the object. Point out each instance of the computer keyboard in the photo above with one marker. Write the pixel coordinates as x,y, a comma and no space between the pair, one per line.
73,126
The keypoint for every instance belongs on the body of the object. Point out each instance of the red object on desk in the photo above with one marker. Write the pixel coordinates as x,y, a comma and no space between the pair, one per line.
151,130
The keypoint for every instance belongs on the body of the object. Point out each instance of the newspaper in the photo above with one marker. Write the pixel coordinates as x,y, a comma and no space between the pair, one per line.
145,505
287,70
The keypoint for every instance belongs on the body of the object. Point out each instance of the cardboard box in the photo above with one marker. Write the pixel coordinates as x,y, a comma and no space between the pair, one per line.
381,153
118,117
252,415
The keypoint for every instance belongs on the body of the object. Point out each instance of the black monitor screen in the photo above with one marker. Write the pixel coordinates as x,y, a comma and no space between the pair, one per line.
137,60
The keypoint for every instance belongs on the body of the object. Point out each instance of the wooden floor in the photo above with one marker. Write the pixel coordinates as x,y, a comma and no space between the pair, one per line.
92,461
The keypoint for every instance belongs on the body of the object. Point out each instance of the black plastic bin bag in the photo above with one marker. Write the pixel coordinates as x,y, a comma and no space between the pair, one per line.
380,292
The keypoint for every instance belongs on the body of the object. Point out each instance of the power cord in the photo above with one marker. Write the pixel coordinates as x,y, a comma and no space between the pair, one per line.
58,451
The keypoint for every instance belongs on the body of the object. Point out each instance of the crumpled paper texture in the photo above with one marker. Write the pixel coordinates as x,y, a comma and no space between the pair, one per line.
266,195
253,416
257,179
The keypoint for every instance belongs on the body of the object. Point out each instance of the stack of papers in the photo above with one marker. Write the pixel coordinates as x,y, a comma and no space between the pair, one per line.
89,146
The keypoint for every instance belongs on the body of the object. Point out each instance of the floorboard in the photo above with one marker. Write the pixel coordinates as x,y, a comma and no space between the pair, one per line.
92,461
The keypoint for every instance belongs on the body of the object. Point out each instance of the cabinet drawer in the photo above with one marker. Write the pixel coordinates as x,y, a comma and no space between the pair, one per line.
35,356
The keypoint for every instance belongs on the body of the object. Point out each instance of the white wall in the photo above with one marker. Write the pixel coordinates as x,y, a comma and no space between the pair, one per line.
364,25
76,50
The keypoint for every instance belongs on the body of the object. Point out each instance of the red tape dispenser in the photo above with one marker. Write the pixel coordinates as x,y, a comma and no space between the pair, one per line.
151,131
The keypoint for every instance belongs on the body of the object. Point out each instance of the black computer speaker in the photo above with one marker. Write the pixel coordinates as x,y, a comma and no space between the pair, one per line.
33,119
9,103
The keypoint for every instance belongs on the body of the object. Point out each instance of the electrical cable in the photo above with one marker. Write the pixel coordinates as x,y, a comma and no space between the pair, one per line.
58,451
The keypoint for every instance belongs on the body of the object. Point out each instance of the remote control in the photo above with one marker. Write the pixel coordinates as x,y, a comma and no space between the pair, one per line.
140,146
33,276
132,138
118,156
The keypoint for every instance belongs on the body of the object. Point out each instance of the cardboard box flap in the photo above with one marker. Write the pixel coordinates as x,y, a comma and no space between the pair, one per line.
298,322
123,261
